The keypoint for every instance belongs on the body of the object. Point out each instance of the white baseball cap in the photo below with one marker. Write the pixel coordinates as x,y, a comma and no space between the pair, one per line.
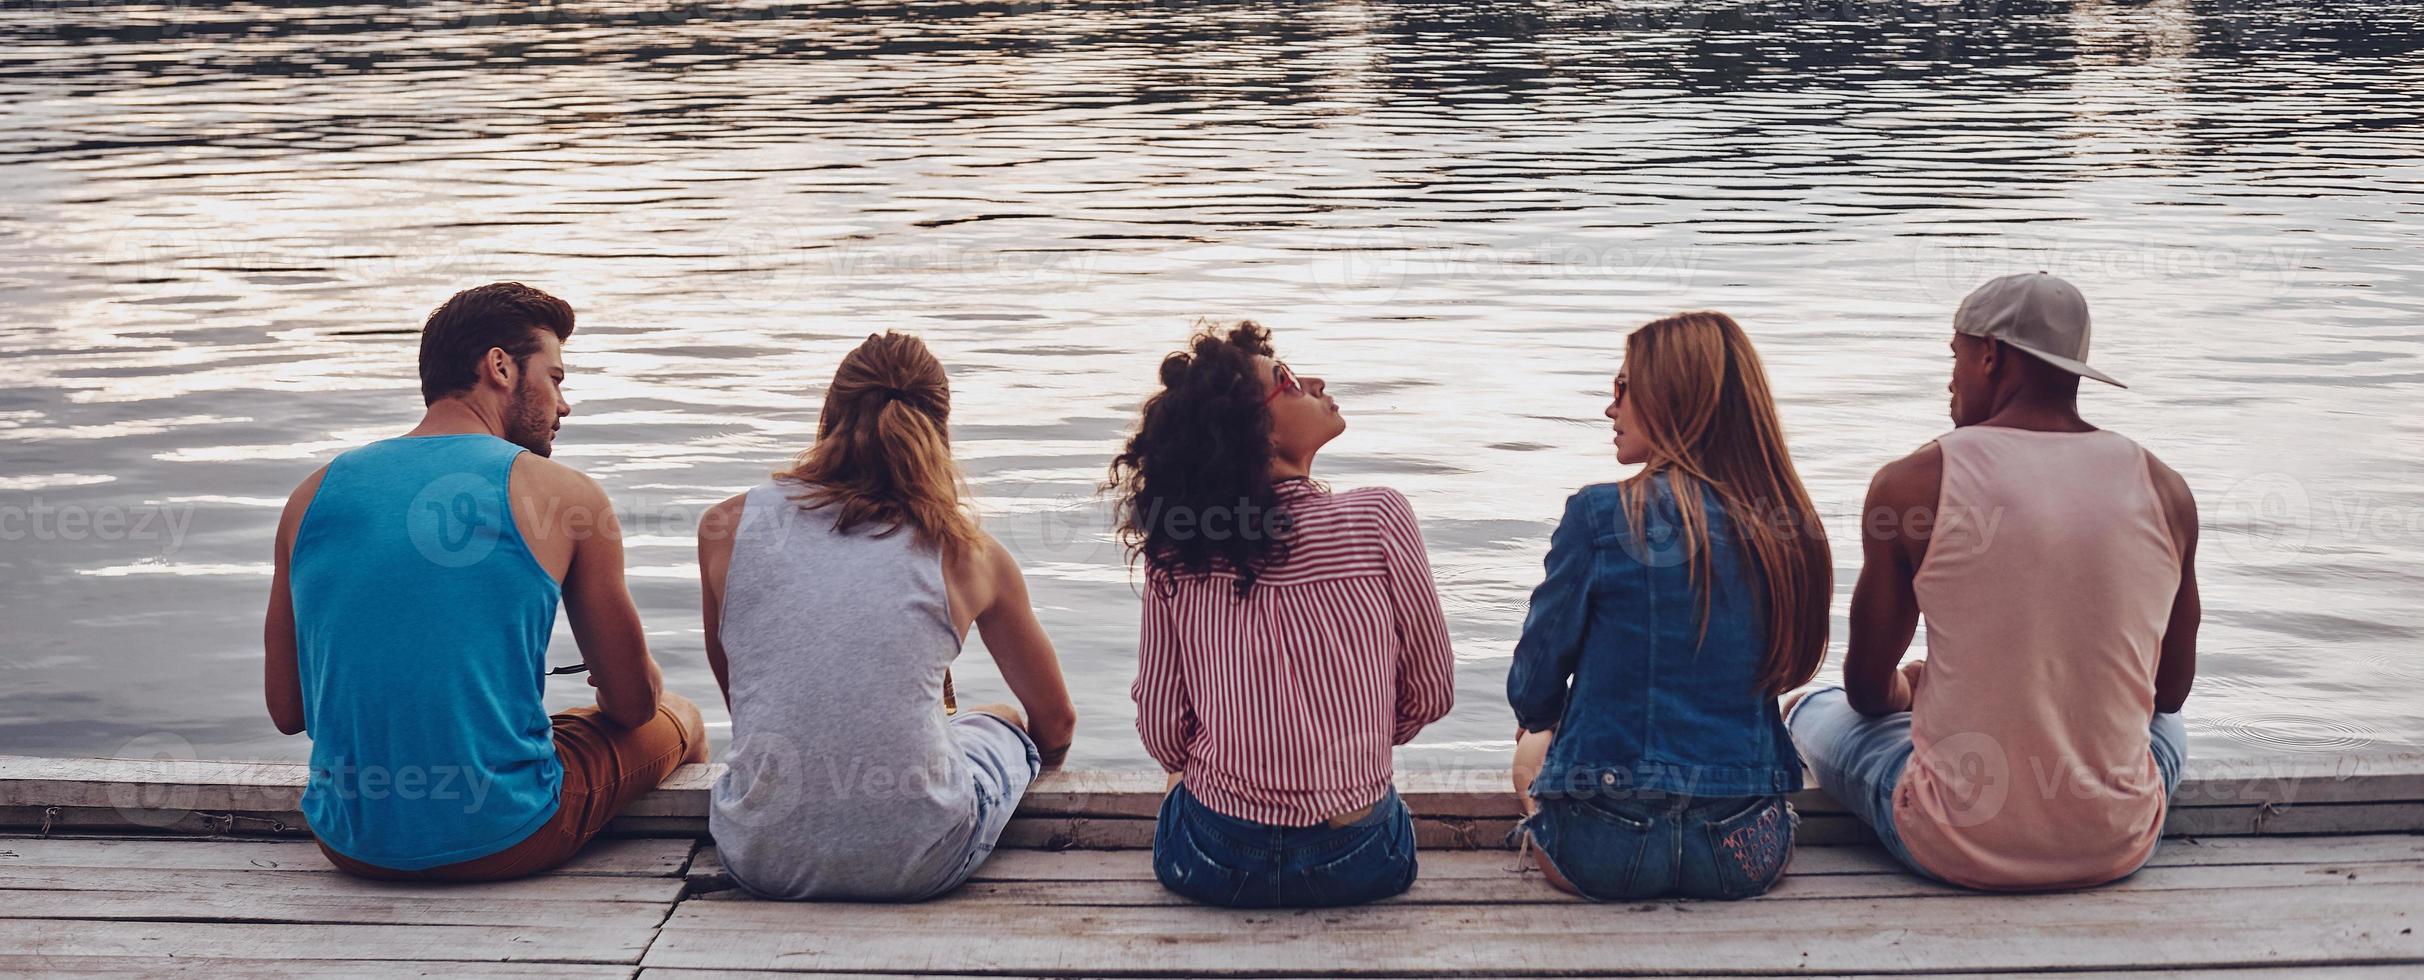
2036,313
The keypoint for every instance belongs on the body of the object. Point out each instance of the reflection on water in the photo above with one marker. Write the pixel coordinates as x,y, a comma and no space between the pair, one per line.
222,226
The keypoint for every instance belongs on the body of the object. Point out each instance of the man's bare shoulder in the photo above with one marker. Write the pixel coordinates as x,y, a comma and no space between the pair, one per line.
554,502
2179,503
298,502
543,478
1910,481
2169,483
307,489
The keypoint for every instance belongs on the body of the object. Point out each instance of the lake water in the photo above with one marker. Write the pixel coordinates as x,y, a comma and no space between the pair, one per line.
222,226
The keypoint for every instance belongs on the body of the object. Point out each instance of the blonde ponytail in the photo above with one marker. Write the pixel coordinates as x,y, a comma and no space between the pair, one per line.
882,454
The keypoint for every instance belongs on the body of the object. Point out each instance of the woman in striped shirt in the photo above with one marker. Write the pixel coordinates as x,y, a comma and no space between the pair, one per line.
1291,638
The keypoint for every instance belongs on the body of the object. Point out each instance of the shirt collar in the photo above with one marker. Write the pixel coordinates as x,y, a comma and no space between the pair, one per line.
1291,488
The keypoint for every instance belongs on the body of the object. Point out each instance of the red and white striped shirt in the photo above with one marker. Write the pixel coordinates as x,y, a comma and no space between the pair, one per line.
1282,707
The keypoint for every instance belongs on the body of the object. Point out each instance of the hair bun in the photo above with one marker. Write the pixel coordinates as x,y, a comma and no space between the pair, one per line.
1174,368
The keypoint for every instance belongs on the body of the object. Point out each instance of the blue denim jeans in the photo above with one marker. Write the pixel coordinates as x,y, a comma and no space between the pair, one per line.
1004,761
1221,860
1859,759
1647,845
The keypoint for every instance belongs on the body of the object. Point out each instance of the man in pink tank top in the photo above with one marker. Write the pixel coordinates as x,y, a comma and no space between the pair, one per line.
2037,745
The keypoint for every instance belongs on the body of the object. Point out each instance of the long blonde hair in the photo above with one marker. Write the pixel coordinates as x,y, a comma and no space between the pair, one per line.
1702,402
883,447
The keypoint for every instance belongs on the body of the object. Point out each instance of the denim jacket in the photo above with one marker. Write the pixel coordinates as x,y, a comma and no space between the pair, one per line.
1613,658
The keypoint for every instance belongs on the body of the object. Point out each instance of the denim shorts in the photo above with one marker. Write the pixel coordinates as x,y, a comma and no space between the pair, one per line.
1004,761
1221,860
1859,759
1644,845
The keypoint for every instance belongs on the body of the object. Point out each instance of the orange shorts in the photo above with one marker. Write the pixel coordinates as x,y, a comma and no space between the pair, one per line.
606,768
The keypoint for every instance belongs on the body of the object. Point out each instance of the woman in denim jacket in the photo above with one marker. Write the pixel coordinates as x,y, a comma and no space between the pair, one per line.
1678,604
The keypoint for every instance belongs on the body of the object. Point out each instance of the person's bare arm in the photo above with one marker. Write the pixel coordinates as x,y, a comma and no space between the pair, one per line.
1028,663
604,620
2176,672
716,529
1895,522
281,676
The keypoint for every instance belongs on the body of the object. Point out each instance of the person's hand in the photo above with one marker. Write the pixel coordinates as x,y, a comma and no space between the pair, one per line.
1909,677
1053,755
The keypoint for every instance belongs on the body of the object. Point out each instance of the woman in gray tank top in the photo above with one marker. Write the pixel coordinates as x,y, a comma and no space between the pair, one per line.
836,596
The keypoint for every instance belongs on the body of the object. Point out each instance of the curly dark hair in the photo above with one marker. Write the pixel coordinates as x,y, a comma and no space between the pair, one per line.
1202,450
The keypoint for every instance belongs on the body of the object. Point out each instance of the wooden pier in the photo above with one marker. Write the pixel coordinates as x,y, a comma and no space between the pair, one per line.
2281,868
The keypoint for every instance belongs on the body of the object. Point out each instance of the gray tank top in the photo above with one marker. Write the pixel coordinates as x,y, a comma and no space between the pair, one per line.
843,779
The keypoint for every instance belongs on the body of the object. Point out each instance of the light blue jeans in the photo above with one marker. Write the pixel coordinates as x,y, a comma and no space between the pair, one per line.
1859,758
1005,762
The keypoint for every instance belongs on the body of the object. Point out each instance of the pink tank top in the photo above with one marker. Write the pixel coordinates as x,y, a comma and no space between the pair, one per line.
2048,581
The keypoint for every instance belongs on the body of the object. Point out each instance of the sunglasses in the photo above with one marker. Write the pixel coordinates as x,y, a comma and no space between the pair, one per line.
1283,382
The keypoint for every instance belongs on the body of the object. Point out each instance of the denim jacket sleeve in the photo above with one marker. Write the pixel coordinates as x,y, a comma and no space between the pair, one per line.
1551,646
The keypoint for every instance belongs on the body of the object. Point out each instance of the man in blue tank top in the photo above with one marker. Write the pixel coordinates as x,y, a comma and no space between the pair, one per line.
415,590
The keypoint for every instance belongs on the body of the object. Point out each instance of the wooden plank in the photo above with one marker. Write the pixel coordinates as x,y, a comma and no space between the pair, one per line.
1486,793
2110,905
2319,818
166,792
2289,850
236,886
25,967
2333,972
1128,833
466,906
1465,952
151,784
1530,889
1501,885
1062,832
1137,865
2104,929
661,858
245,940
191,823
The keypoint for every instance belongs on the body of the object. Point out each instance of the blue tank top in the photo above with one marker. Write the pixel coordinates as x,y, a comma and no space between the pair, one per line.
421,627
